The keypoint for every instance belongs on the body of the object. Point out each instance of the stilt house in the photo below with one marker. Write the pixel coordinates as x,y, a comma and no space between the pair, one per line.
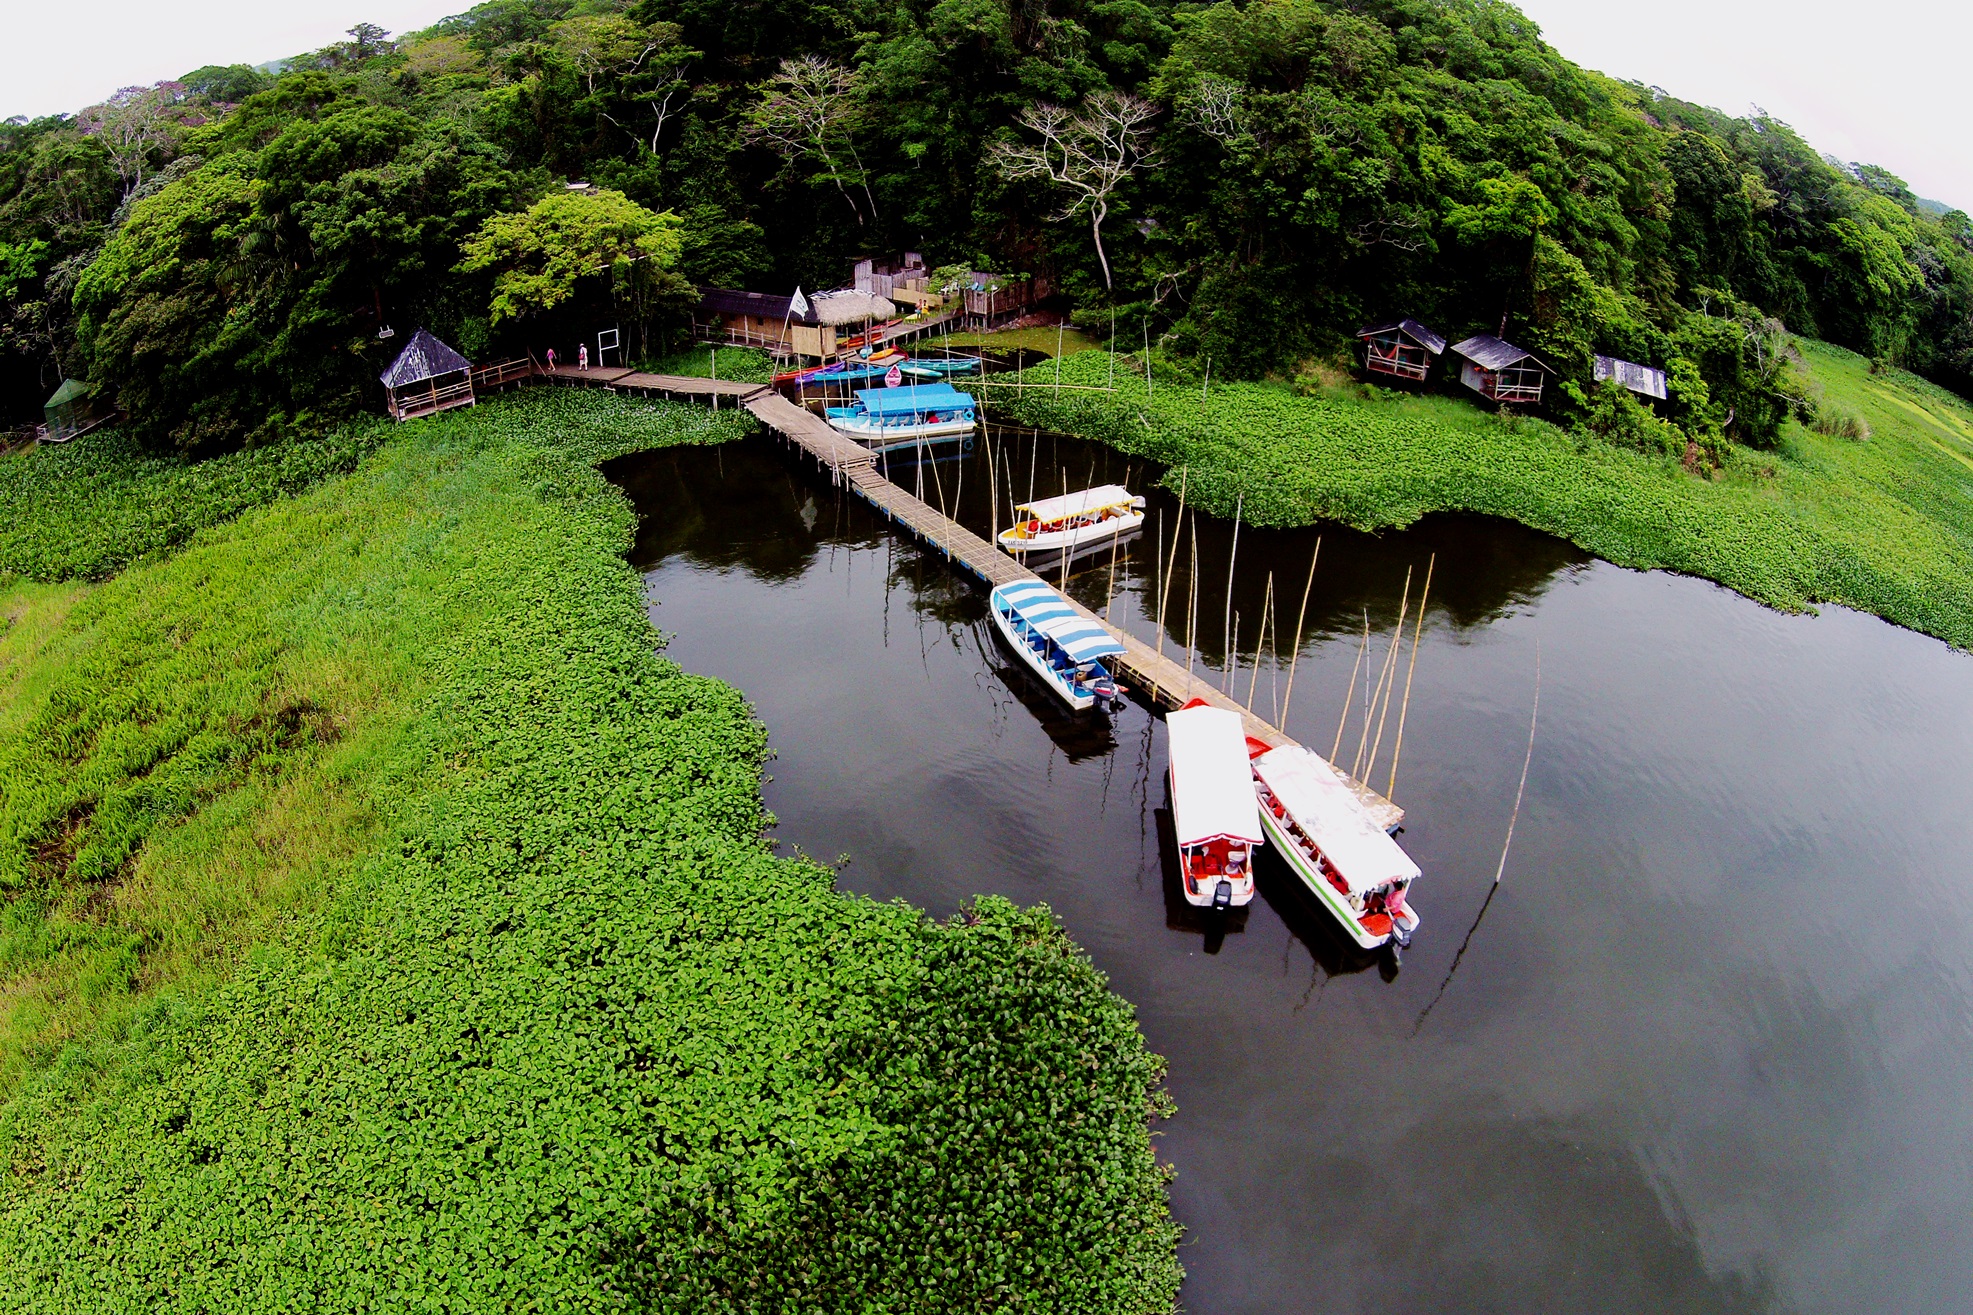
1640,379
427,377
1405,349
1500,371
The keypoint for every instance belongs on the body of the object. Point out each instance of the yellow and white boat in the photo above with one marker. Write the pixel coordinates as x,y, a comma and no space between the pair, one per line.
1073,521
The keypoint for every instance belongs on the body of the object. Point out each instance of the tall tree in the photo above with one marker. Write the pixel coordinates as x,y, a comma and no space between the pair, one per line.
1091,153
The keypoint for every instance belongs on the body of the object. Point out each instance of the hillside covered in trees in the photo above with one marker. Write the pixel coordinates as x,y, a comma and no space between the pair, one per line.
222,250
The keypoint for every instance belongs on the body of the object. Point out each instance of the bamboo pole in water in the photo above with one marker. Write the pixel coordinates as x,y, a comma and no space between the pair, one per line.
1267,606
1068,549
1110,593
1377,691
1178,533
1349,694
1230,678
1192,608
1390,687
993,484
1232,560
1417,633
1288,702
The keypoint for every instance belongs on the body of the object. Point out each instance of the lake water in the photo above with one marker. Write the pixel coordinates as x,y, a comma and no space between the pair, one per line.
1704,1048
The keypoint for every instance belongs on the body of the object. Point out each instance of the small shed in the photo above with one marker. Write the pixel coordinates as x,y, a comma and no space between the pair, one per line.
427,377
1404,348
1640,379
70,412
751,319
1500,371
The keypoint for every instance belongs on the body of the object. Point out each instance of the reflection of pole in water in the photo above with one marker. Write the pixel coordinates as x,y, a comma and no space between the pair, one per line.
1440,993
1267,606
1177,533
1110,594
1390,682
1192,607
1288,703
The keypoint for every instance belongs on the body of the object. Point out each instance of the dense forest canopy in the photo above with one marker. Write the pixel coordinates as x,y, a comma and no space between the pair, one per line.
222,251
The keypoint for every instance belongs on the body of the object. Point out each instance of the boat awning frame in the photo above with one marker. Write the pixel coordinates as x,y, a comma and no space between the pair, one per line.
1361,852
1077,504
1046,610
1212,787
912,399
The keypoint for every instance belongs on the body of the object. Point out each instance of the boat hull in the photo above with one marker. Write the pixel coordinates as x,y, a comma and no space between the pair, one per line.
1327,895
1081,536
884,437
1038,664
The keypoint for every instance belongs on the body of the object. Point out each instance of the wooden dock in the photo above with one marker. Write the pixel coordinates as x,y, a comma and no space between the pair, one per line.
852,465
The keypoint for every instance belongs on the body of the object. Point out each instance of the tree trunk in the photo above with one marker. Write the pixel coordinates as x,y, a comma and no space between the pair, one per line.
1096,215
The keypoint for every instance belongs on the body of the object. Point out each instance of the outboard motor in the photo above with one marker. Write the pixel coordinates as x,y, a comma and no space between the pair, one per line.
1222,896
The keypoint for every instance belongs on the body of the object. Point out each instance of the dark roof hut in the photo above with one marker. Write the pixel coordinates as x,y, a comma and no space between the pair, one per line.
1500,371
1640,379
427,377
1404,348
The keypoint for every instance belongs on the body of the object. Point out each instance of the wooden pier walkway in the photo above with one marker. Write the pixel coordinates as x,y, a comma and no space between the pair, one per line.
855,466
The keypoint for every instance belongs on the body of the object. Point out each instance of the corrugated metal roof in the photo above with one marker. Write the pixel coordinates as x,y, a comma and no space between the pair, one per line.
1638,378
730,301
424,357
1491,353
1412,329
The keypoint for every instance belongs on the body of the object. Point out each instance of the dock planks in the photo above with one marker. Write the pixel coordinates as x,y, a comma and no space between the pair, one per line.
854,465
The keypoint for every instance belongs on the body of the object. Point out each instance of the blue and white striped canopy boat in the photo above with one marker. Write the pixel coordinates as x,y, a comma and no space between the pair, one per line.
1061,644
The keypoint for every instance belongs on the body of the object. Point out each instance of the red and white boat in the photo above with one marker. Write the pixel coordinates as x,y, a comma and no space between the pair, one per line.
1212,805
1353,867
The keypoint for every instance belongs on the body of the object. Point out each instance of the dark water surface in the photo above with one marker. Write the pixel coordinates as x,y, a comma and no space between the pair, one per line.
1707,1050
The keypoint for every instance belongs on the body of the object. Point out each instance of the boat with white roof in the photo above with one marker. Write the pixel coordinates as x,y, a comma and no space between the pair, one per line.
1352,866
905,416
1073,521
1213,806
1060,644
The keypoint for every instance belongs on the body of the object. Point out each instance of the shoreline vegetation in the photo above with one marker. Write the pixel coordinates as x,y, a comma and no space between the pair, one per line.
1881,523
387,921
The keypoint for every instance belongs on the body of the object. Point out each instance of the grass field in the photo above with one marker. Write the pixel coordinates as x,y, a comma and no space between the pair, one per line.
1884,525
388,925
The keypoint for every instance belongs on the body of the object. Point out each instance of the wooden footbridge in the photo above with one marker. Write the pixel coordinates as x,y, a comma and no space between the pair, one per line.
854,466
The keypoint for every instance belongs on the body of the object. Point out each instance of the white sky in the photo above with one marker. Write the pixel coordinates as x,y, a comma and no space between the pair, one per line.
1881,82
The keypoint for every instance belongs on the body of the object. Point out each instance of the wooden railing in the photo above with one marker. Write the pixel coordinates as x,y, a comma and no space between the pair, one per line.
506,372
407,405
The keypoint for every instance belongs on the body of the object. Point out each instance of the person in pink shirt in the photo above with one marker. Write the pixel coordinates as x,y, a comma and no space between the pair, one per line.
582,357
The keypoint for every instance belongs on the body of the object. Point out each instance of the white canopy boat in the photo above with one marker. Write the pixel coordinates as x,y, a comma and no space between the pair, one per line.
905,416
1353,867
1212,805
1073,521
1061,645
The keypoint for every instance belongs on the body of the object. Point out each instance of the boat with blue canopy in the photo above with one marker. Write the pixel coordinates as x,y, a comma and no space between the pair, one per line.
1059,643
905,416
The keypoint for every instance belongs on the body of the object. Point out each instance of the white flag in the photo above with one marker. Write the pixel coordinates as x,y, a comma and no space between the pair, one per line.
799,305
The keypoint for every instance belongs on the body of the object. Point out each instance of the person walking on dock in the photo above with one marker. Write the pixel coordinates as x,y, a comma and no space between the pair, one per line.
582,357
551,358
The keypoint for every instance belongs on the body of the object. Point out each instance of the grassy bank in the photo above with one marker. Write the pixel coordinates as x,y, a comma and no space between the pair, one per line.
1883,524
389,925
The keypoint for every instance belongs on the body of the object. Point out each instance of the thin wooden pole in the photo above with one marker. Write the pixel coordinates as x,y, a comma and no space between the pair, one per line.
1534,714
1230,678
1178,533
1110,594
1288,703
1377,690
993,482
1349,694
1417,633
1232,560
1267,605
1377,744
1192,608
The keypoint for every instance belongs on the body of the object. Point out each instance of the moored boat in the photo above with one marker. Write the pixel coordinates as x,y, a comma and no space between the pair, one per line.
1213,805
1354,869
1059,644
905,416
1073,521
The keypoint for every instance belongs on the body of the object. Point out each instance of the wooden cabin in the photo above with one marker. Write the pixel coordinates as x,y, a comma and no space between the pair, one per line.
827,326
1404,349
427,377
993,299
1640,379
1500,371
